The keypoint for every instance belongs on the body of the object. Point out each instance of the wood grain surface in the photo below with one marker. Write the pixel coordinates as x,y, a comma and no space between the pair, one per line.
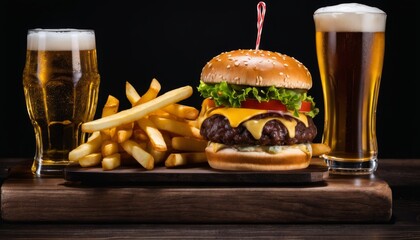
338,199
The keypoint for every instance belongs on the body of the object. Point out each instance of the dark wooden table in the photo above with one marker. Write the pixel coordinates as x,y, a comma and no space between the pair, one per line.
402,175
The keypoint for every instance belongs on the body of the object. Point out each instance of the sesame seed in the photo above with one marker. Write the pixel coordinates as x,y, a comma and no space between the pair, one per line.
258,80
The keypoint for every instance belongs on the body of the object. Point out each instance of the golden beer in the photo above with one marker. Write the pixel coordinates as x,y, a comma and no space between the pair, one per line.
350,51
61,83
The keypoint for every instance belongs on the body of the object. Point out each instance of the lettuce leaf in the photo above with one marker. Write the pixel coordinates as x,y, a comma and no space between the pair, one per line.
230,95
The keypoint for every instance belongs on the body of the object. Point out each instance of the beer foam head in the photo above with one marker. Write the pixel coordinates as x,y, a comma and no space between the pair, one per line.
60,39
349,17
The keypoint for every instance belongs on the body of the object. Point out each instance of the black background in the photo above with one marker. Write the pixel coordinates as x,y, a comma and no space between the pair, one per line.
172,40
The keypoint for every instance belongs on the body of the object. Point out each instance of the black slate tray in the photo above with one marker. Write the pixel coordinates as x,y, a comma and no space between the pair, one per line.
193,175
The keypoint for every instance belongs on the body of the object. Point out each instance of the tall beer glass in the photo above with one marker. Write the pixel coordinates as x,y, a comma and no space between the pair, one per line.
61,83
350,42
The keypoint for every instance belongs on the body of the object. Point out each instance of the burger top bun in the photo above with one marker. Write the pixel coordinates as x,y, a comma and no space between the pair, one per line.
257,68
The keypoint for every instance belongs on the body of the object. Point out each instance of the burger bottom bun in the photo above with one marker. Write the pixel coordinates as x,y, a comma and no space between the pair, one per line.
231,159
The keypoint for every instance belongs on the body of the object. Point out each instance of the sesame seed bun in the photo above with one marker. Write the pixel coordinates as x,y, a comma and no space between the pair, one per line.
257,68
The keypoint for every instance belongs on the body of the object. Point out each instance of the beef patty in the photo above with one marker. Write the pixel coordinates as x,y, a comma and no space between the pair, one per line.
217,129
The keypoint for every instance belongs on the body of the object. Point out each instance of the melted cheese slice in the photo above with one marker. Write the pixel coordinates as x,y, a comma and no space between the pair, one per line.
237,116
255,127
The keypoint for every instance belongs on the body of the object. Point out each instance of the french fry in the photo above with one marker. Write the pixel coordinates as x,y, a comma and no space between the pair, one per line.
158,156
192,123
139,111
92,145
142,144
182,111
140,135
189,144
162,113
153,134
124,132
93,136
179,159
143,157
131,93
168,139
177,127
111,162
111,107
109,147
151,93
319,149
90,160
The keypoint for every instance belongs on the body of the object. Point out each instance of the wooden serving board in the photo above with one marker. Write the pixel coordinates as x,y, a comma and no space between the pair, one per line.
336,199
201,174
6,166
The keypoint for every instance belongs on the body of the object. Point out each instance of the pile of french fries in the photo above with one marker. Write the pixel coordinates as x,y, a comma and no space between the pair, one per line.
155,130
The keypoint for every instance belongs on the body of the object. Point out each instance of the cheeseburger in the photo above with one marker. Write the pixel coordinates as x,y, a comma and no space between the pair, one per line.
257,113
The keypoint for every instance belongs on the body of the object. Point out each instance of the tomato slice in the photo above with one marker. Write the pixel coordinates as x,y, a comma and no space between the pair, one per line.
305,106
266,105
273,105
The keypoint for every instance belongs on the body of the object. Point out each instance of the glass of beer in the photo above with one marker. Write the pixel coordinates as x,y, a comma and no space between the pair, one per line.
350,43
61,84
